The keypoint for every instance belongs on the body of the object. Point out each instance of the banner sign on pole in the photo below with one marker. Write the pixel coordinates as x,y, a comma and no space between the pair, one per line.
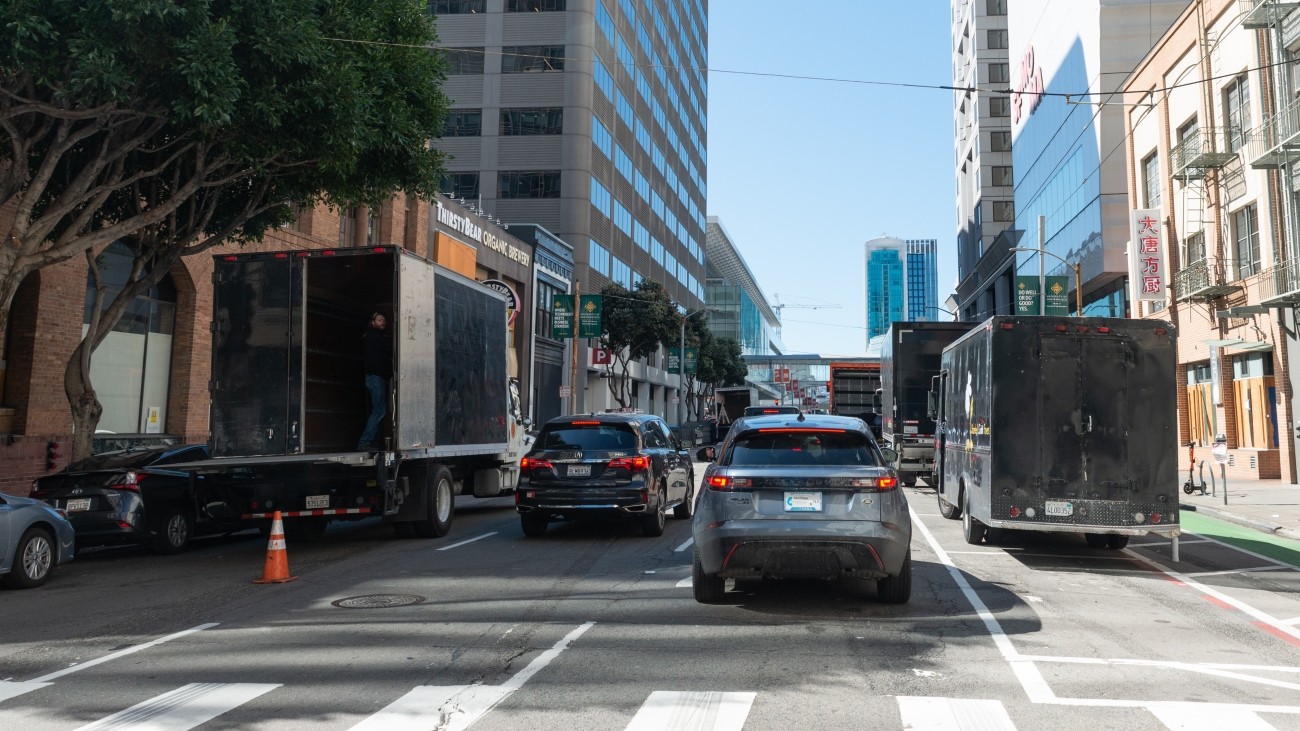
589,311
1027,295
674,360
1058,296
692,359
561,316
1147,255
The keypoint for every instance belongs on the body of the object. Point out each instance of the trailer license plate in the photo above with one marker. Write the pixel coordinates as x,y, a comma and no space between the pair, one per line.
803,502
1060,508
910,430
81,503
579,470
318,501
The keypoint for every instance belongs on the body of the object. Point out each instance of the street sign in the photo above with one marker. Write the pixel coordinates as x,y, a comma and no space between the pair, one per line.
565,391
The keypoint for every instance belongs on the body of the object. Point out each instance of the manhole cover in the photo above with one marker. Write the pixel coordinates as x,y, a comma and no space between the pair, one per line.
378,601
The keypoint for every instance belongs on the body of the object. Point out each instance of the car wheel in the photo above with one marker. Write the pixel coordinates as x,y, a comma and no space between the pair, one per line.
708,588
897,589
173,532
947,509
533,526
440,499
687,507
1115,543
1096,540
652,524
972,530
33,560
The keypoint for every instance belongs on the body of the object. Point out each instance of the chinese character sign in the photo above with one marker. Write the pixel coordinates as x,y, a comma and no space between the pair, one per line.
1147,263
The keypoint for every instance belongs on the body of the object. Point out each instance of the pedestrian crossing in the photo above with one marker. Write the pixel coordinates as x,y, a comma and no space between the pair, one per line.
456,708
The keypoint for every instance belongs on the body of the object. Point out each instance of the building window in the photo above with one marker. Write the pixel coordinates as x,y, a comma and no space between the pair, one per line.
543,121
460,185
1151,180
534,6
999,141
462,61
1245,232
995,7
999,106
455,7
1002,175
598,258
528,59
1004,211
997,40
999,73
1236,112
463,123
529,184
1194,249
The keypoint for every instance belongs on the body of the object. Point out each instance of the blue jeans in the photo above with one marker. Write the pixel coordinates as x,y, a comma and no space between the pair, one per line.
378,388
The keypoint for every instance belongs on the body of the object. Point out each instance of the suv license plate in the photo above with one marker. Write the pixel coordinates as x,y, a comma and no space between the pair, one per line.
803,502
81,503
318,501
1059,508
579,470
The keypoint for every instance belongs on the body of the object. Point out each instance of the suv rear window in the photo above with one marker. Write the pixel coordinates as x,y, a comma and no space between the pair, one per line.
594,438
803,449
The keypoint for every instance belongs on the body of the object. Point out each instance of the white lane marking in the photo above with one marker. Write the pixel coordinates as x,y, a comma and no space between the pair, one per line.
685,583
457,707
1293,620
121,653
668,710
685,545
953,714
471,540
12,689
1191,717
1020,554
1225,572
1183,541
183,708
1221,671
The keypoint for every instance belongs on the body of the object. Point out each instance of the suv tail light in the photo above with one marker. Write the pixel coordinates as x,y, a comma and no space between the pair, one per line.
633,464
129,482
36,492
726,484
528,464
887,483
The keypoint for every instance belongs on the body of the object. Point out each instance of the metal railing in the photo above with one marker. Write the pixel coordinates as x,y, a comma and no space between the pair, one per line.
1199,279
1263,13
1199,152
1275,141
1281,283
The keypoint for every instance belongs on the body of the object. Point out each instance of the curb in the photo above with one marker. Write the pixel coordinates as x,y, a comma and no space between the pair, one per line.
1230,517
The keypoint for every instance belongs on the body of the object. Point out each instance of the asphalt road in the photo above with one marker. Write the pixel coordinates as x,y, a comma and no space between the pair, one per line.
594,627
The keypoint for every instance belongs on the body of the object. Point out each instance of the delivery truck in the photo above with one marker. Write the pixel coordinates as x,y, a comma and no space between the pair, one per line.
1060,424
854,390
909,358
732,402
289,402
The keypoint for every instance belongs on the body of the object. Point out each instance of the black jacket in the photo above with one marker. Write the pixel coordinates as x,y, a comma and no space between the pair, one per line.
377,353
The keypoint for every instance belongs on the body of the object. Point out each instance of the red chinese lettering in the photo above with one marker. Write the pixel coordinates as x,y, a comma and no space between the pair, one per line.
1151,285
1150,265
1150,244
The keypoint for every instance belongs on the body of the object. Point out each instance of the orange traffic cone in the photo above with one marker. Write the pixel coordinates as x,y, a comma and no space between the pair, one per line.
276,570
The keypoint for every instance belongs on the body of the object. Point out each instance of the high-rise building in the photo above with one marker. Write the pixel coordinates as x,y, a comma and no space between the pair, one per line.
587,117
738,307
922,279
902,282
982,126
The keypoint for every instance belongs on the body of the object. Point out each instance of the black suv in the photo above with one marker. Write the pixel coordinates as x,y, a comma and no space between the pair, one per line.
624,465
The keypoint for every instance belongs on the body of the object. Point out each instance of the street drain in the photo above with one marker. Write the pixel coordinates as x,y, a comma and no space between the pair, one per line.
378,601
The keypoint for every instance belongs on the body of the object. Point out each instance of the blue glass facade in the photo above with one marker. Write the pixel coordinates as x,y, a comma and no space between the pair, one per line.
885,285
738,316
922,279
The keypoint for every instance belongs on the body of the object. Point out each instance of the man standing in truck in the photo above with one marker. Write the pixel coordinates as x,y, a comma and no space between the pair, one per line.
377,357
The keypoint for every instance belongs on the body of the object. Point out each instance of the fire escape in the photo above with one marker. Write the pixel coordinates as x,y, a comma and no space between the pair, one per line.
1202,278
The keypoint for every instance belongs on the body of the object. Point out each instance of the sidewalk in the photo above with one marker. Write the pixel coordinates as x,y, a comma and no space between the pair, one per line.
1270,506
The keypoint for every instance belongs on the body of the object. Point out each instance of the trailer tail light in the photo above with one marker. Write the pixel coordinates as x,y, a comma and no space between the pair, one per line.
328,252
1103,330
1008,326
634,464
230,257
281,255
1014,512
1061,328
1081,328
1155,517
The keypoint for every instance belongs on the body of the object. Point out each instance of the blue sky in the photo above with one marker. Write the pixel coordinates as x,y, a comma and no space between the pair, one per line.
801,172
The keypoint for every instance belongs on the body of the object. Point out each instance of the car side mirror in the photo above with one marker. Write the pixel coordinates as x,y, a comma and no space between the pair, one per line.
890,455
705,454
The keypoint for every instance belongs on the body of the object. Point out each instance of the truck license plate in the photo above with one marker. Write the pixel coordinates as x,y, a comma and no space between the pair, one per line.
81,503
318,501
1060,508
803,502
910,430
579,470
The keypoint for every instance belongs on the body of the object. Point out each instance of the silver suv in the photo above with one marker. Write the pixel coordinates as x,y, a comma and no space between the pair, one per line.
802,496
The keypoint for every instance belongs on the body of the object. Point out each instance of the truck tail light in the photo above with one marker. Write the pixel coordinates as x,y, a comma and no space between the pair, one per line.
633,464
1008,326
1103,329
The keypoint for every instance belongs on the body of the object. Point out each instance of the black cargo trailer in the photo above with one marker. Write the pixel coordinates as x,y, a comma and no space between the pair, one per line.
909,359
1060,424
288,401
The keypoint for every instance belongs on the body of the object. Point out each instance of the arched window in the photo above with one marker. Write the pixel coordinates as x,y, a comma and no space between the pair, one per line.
131,369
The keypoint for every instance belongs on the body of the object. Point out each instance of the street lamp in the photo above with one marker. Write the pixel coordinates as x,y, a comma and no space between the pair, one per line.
681,362
1078,277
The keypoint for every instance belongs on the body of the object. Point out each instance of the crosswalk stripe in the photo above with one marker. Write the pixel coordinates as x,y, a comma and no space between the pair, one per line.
13,689
444,707
953,714
1200,717
183,708
668,710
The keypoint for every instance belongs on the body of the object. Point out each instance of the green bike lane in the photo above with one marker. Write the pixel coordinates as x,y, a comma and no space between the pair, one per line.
1277,548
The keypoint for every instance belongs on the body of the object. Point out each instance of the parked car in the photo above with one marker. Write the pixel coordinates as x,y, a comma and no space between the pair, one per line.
34,538
129,496
770,410
612,465
809,496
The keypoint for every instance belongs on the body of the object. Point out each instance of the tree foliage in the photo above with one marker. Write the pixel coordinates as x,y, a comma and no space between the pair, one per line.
175,125
635,323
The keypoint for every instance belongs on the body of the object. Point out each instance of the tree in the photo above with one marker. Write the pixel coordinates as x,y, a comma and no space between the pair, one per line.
173,126
634,324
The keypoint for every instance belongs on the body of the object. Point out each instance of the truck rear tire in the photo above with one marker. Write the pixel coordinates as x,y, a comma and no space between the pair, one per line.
972,530
1115,543
909,480
439,498
1095,540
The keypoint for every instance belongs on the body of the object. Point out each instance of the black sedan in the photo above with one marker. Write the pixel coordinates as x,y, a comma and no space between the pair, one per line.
129,497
